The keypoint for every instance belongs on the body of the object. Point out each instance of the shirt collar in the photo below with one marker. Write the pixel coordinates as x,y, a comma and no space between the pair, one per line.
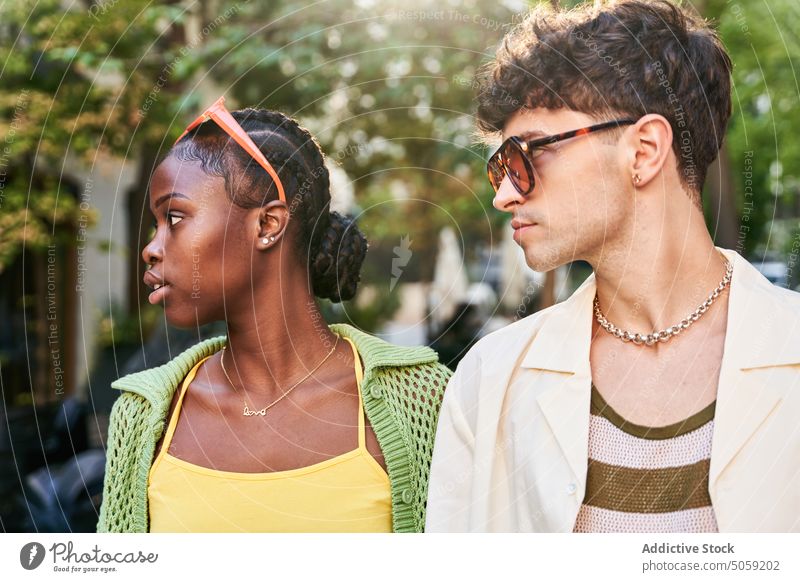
762,320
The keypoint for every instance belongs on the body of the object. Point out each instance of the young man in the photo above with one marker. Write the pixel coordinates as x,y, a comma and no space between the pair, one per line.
664,394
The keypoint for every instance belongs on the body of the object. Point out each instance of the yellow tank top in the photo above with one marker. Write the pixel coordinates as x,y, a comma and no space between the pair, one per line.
347,493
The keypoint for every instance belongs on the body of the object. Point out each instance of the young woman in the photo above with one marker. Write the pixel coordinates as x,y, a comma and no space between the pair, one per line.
286,423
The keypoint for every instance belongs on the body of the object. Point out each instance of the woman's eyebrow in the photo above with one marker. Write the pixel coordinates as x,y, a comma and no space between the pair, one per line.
169,196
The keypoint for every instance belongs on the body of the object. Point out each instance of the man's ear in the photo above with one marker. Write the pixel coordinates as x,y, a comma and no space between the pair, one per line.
270,223
650,141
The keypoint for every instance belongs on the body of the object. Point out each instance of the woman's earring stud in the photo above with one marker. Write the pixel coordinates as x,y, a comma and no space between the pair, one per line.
636,178
265,240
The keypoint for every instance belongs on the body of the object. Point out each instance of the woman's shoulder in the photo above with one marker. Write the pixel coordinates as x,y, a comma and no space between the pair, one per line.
377,352
147,395
417,367
411,370
159,382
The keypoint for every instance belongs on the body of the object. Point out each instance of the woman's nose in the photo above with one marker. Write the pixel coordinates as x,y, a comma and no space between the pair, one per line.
507,197
153,251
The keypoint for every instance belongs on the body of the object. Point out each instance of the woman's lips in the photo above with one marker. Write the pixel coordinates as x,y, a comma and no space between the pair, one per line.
157,296
157,283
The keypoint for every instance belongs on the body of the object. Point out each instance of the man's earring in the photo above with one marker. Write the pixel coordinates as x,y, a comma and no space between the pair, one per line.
636,179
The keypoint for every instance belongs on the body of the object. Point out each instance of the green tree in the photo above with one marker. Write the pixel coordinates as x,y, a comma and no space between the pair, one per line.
763,40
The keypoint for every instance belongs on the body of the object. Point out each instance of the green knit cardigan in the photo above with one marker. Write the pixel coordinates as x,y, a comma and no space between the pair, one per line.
402,391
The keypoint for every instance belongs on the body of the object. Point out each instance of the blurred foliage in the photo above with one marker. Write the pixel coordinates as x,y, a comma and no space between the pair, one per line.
763,39
118,327
387,87
69,92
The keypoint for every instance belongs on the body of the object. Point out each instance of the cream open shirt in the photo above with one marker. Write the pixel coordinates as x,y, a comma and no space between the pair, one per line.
511,447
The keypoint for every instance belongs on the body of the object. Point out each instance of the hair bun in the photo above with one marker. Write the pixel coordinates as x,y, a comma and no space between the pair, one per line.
335,268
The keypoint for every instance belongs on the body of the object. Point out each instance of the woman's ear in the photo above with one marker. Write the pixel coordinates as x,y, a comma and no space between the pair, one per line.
271,223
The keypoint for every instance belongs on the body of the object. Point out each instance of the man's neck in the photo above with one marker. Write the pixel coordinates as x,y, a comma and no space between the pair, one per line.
651,282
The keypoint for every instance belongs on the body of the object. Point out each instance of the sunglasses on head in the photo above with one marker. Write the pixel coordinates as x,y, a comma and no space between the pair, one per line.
513,159
222,117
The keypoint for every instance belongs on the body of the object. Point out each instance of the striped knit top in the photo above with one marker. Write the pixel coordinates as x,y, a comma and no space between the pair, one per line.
647,479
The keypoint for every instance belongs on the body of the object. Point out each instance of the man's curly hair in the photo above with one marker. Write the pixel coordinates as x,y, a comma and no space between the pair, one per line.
628,58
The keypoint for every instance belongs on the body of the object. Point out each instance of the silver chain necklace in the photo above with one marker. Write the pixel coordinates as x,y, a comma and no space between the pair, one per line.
649,339
247,411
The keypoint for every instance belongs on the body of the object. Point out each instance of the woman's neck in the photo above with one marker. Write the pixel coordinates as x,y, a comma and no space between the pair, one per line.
276,341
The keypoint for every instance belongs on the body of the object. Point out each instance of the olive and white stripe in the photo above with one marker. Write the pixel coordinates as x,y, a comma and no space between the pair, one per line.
647,479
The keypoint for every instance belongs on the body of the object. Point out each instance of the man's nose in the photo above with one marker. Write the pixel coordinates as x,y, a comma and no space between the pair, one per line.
507,198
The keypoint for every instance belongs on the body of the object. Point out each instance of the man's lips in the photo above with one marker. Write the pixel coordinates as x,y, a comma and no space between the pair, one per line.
521,226
517,223
157,283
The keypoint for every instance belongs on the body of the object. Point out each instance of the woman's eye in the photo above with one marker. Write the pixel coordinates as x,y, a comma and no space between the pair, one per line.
174,219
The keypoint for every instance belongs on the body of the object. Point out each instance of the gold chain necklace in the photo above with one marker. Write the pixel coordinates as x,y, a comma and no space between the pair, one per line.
263,411
649,339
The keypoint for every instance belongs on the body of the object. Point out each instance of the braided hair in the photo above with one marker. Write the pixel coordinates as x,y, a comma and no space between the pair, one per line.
332,244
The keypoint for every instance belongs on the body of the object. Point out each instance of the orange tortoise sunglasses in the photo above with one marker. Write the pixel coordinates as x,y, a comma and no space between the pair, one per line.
222,117
514,157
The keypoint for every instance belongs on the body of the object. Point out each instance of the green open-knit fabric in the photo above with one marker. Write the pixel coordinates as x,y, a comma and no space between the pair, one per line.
402,389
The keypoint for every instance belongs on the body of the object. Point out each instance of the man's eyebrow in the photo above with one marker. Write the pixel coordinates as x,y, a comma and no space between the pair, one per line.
533,134
169,196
